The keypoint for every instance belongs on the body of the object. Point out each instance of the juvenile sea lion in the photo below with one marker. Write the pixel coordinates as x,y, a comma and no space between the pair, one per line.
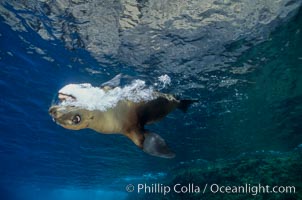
109,110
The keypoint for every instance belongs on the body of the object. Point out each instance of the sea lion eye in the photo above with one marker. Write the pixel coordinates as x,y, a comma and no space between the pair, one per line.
76,119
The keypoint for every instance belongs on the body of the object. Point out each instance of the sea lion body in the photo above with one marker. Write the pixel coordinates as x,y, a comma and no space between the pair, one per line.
126,117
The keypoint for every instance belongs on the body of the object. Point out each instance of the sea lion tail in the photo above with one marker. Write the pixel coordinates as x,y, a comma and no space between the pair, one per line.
155,145
185,104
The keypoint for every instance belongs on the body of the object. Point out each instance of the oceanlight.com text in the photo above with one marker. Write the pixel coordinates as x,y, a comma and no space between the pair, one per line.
158,188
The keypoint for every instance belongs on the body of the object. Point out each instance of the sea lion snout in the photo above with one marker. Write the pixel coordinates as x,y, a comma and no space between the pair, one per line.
52,111
56,112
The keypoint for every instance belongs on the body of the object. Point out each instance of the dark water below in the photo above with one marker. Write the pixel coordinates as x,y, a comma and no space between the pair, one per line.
250,104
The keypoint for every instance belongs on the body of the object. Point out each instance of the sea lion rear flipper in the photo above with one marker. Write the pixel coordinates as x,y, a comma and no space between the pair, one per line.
150,143
185,104
156,146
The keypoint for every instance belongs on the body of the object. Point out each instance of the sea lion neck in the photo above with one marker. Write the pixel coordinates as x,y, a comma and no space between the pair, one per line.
104,121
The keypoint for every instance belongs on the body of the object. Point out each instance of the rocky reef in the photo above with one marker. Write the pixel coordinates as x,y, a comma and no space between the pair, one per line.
264,168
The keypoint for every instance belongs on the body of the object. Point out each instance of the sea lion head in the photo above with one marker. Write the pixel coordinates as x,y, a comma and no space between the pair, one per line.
68,115
71,117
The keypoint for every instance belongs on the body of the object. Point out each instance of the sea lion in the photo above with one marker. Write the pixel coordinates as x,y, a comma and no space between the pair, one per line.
109,110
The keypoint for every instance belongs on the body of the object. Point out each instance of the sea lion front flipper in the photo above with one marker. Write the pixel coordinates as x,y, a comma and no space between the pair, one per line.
185,104
114,82
156,146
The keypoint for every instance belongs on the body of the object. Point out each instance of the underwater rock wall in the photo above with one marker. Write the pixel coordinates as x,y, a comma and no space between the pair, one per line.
144,33
264,168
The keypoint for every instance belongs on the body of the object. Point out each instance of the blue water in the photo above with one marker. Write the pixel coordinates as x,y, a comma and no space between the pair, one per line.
237,113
